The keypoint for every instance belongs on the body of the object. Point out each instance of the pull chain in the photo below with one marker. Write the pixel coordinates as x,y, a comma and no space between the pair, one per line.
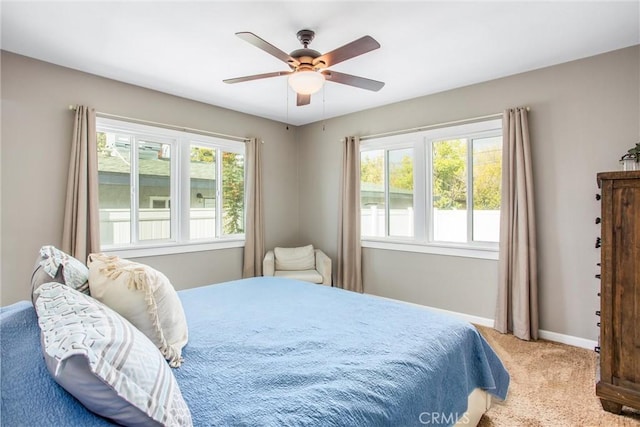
286,95
324,88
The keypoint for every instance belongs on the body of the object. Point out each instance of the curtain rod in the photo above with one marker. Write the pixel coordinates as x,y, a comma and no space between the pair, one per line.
435,125
169,126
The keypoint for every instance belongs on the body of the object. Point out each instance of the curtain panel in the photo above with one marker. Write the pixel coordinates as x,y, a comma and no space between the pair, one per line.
517,307
81,226
254,228
349,271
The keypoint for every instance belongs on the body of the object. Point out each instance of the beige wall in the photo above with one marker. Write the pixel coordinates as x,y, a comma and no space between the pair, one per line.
36,141
584,116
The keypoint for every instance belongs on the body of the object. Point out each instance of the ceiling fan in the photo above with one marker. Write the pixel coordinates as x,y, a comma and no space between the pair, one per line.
309,67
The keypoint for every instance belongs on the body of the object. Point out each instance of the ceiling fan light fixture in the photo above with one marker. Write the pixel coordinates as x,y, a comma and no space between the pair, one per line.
306,82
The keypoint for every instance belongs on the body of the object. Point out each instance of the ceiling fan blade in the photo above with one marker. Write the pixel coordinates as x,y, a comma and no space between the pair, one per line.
267,47
303,99
357,47
348,79
257,76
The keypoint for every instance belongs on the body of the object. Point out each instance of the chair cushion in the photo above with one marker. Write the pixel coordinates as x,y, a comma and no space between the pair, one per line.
306,275
295,259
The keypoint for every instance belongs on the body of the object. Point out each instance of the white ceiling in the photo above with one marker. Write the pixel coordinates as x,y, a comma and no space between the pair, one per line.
188,48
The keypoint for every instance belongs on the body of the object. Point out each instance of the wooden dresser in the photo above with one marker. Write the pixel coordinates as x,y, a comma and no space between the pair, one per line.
619,379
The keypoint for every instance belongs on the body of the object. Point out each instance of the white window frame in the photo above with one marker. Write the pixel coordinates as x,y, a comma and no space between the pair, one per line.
422,144
180,143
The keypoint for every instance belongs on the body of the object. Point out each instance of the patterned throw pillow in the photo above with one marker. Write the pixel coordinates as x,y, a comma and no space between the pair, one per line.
106,363
53,265
143,296
74,272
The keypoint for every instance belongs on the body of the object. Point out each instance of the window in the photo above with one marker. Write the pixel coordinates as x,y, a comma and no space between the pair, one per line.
163,188
434,191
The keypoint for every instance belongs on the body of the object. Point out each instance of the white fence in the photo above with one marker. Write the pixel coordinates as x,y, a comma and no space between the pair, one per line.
448,225
115,224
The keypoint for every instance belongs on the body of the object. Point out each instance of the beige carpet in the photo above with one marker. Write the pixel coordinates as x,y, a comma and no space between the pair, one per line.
551,385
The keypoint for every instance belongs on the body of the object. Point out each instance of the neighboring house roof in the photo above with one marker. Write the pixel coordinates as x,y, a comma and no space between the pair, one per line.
151,166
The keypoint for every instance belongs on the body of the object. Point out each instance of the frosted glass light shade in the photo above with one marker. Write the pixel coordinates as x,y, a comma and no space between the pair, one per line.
306,82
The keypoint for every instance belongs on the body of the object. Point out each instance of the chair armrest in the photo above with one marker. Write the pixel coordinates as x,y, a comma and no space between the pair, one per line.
269,264
323,265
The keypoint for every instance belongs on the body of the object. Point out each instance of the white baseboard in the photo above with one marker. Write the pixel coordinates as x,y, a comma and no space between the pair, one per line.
477,320
567,339
483,321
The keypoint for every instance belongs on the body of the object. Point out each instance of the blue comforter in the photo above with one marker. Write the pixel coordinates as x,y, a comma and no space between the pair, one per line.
278,352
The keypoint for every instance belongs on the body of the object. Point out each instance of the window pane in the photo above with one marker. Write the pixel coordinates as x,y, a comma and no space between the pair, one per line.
372,199
487,173
154,190
232,193
114,188
202,189
401,192
449,190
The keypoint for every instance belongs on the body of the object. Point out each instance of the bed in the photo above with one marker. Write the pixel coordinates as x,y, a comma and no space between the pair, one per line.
279,352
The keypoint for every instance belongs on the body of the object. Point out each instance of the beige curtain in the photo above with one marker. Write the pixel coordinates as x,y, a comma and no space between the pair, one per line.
81,227
254,224
349,274
517,308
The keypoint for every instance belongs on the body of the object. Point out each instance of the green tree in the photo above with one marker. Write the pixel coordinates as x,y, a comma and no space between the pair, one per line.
232,186
102,144
202,154
233,193
449,174
487,175
401,175
371,168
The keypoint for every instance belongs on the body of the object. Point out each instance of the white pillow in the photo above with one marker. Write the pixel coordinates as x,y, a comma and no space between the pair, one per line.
144,297
302,258
106,363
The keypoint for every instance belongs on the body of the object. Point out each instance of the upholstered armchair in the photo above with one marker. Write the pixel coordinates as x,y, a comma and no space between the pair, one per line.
303,263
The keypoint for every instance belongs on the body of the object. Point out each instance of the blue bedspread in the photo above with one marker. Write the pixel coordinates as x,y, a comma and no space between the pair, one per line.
29,395
278,352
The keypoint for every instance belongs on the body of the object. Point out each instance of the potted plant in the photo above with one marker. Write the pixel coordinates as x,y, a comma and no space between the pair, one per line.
631,160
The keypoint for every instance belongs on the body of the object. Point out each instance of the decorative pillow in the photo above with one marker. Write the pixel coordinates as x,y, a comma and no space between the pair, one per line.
74,272
53,265
107,364
39,277
144,297
302,258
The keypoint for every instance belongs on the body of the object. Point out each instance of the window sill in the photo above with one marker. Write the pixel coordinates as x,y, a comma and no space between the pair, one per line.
447,250
172,248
